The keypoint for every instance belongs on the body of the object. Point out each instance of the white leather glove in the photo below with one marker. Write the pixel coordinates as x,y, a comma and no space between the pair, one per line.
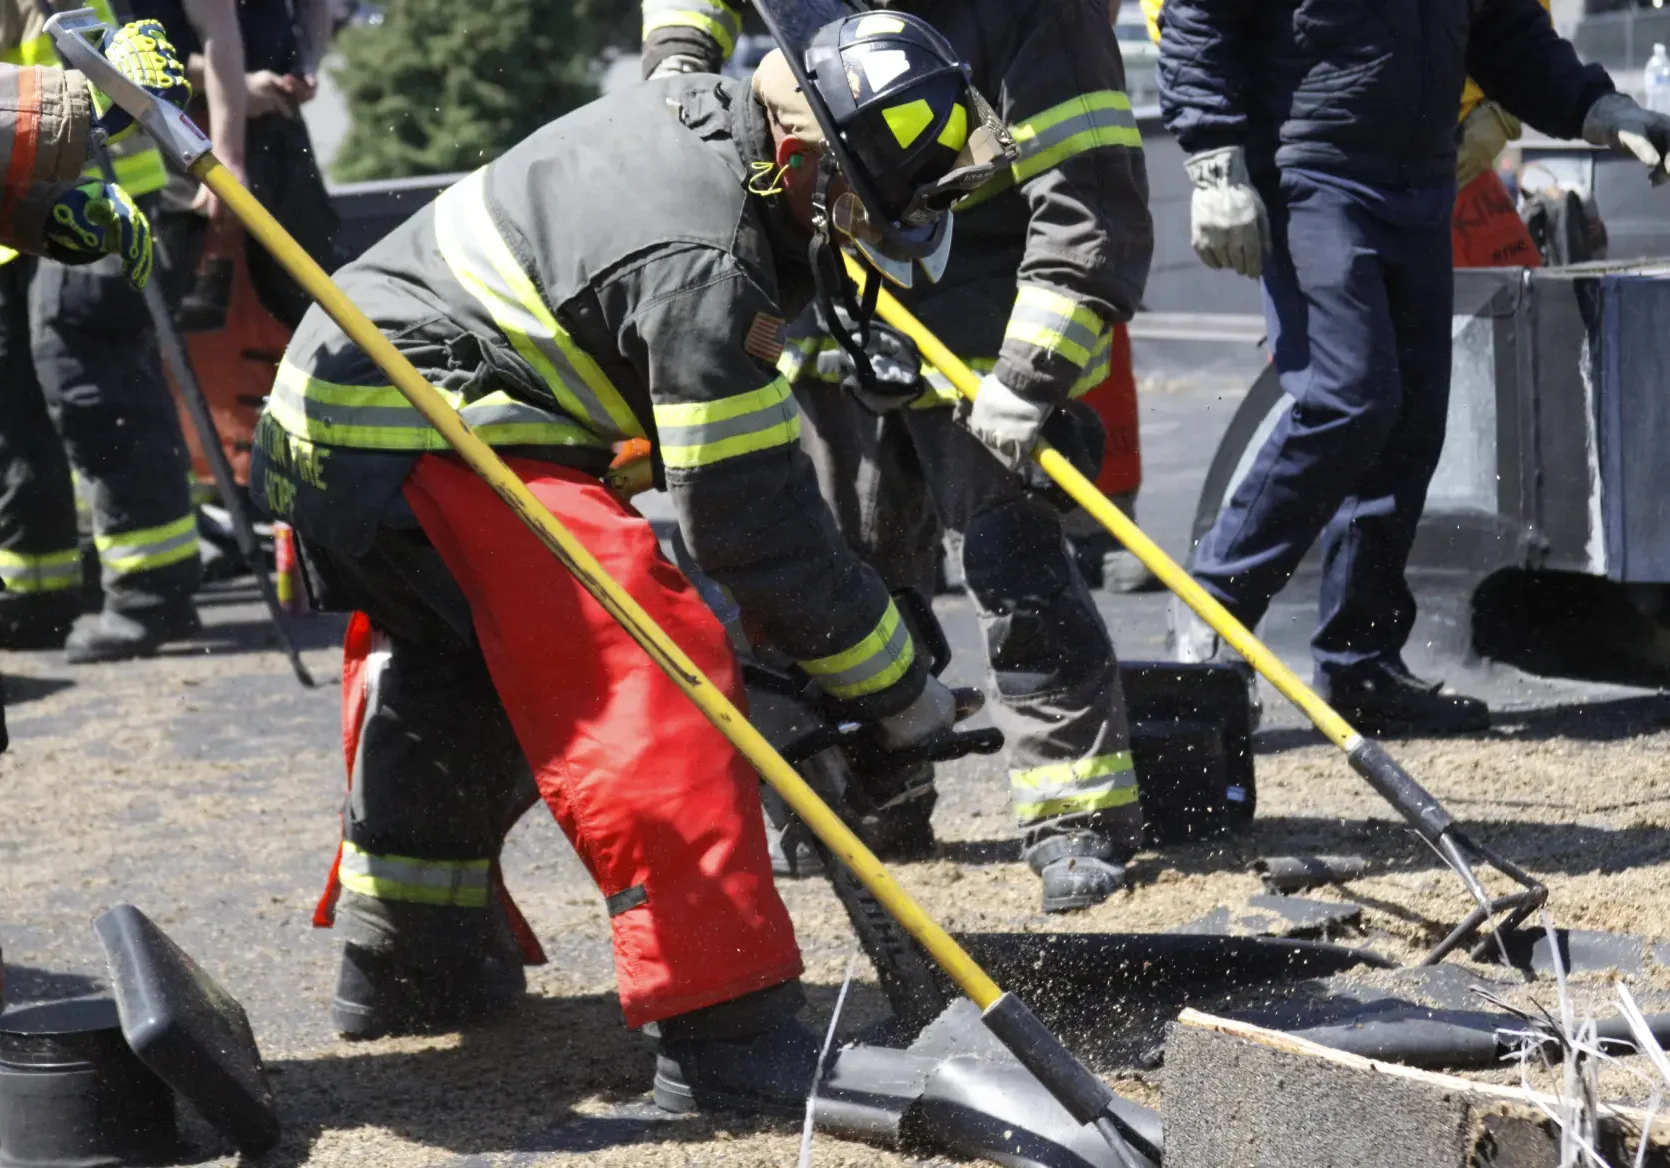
1006,422
672,66
933,712
1484,134
1227,223
1616,121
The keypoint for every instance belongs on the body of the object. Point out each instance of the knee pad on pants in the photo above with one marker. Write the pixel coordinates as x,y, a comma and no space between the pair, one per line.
1043,633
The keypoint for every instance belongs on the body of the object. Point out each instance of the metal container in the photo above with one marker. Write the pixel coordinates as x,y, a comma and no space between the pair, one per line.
74,1095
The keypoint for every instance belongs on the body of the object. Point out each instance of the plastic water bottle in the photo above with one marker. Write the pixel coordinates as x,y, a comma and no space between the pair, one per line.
1657,78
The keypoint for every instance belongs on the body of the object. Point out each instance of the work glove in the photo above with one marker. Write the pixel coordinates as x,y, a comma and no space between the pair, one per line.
1006,422
97,219
1480,139
1616,121
933,712
1227,223
894,362
141,53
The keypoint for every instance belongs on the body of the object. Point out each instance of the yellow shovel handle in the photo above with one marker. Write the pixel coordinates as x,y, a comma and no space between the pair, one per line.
812,810
1083,492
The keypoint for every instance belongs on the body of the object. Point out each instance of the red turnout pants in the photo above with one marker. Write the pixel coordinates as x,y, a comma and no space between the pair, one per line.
662,811
1115,402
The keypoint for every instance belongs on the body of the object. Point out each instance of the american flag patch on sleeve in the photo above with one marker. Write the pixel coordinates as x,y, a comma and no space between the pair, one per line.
765,338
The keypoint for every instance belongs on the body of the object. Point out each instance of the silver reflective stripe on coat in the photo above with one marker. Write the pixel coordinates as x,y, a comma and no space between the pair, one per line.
485,265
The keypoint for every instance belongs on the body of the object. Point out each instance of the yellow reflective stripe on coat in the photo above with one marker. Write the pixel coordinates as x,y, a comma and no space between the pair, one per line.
797,352
814,358
940,391
46,572
139,173
378,417
870,666
1101,782
714,17
37,50
1046,140
149,548
693,434
1057,324
1097,369
452,883
484,264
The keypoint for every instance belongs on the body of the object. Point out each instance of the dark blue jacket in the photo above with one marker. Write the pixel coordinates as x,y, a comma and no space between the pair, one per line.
1364,89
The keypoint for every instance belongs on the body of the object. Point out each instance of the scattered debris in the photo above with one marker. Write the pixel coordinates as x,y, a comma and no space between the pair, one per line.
1278,916
1289,874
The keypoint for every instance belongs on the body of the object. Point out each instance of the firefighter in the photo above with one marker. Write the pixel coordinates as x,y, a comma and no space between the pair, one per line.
623,273
1051,257
82,379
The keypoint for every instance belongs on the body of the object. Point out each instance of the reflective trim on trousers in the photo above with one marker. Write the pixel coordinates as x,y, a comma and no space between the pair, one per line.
870,666
149,548
1100,783
47,572
449,883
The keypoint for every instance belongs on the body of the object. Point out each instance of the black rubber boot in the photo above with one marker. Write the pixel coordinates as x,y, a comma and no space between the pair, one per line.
1079,870
40,621
750,1054
119,636
1392,702
421,988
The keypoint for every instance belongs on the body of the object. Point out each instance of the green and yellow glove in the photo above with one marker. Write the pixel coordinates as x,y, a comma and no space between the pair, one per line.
141,52
97,219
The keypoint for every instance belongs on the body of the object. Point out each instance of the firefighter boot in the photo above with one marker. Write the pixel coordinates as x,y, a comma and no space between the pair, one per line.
430,969
120,636
749,1054
39,620
1079,869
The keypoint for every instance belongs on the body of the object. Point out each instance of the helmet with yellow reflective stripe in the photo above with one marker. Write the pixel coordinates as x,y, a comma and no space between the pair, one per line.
901,123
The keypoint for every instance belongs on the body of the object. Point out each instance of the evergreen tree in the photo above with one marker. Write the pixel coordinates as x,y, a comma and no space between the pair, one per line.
447,85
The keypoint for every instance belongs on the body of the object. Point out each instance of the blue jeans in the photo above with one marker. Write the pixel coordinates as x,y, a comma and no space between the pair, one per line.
1358,294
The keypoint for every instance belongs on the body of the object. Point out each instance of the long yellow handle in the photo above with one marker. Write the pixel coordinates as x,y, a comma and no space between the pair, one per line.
812,810
1083,492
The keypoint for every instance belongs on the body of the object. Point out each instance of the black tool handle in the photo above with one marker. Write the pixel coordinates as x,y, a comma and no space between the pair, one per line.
179,364
1086,1098
1418,805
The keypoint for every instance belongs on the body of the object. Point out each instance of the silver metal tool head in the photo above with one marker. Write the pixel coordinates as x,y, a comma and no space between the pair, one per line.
80,37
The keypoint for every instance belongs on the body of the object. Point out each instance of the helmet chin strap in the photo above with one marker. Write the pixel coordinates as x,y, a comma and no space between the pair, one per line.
829,278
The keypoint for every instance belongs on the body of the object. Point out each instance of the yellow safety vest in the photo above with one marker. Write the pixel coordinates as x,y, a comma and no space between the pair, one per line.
139,165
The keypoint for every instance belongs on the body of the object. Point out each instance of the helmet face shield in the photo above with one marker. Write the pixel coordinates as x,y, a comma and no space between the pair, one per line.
930,254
